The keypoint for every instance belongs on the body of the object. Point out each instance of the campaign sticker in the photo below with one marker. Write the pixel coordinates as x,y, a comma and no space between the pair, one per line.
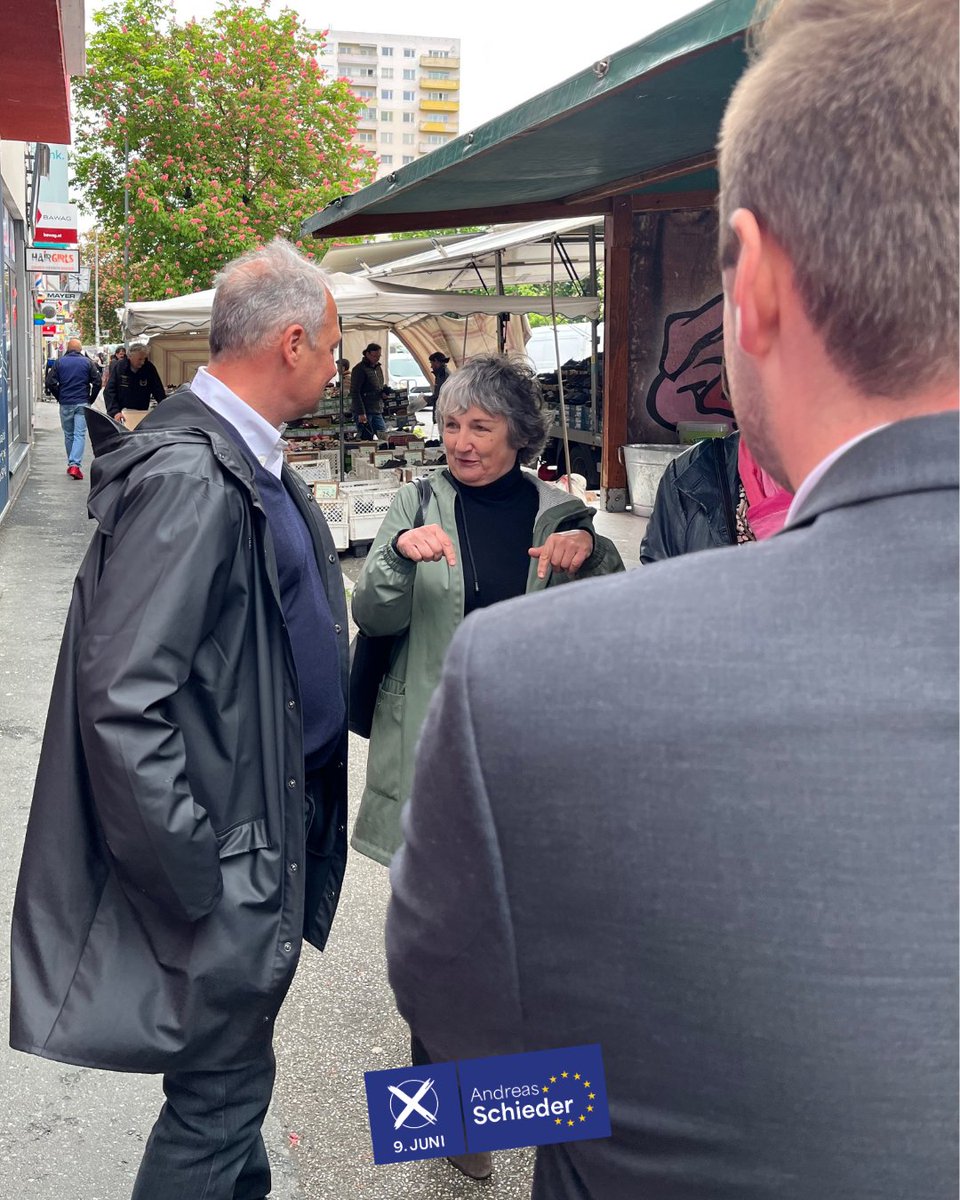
534,1099
414,1112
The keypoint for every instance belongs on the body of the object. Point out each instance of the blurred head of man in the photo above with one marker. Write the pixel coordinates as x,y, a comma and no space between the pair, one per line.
838,225
137,356
74,344
274,331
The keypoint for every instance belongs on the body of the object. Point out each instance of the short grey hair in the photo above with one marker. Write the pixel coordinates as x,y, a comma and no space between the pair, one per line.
502,385
263,292
841,139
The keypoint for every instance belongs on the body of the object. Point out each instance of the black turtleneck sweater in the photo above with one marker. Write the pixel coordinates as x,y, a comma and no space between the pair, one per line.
495,524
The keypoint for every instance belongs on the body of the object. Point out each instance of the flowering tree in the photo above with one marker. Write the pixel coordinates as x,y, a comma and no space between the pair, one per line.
225,132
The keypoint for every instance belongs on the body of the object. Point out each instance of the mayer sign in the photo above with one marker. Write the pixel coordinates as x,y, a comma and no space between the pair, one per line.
53,259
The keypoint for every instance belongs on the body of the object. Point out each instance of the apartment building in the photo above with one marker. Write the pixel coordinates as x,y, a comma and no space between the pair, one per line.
410,88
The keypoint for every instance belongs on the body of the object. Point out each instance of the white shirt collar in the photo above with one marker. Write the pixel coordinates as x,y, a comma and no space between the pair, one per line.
822,467
264,440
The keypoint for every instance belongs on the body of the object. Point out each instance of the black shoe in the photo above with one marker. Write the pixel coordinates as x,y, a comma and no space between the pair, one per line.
474,1166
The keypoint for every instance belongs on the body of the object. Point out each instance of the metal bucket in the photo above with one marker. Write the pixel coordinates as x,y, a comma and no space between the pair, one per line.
645,464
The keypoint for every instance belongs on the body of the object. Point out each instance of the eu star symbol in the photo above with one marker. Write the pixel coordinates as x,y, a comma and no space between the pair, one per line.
582,1117
558,1121
591,1096
576,1075
569,1122
553,1079
564,1074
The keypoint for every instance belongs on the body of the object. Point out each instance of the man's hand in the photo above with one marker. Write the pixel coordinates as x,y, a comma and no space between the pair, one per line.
362,418
118,417
427,544
565,552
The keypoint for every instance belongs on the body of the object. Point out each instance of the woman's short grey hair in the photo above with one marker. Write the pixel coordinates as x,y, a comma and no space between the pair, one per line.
841,139
502,386
263,292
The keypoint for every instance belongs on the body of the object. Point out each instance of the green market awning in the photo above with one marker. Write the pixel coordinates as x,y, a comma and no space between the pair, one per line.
644,121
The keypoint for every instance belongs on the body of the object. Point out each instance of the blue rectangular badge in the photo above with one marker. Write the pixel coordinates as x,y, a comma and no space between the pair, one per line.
414,1112
534,1099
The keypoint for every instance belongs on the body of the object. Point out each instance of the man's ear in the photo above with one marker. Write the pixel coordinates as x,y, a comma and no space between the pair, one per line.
754,294
293,341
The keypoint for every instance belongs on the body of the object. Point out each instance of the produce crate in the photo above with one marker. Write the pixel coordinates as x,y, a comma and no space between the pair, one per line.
335,514
365,512
313,472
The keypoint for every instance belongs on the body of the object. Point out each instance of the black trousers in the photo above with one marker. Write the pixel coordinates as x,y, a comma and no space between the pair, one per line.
206,1143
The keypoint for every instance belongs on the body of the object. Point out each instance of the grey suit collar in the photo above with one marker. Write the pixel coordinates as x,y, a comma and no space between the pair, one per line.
917,455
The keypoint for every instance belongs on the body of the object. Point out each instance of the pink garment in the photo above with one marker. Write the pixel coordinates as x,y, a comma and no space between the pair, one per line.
767,502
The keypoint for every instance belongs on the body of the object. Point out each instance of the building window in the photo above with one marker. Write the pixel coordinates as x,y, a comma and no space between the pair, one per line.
386,51
386,138
365,93
386,114
439,53
408,139
387,160
436,95
435,139
409,95
386,93
365,136
368,114
409,118
438,74
386,72
409,52
364,72
407,158
409,73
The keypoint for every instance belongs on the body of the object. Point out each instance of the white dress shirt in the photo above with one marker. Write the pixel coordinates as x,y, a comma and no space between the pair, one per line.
264,440
822,467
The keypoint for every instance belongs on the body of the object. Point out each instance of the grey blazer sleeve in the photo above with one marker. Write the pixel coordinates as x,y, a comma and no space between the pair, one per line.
450,940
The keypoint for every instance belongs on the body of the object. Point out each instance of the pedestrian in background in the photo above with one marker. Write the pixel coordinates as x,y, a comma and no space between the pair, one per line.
367,390
438,366
724,845
188,826
134,381
75,381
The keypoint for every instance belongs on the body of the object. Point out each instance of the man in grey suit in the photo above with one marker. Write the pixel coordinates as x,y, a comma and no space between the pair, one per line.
734,862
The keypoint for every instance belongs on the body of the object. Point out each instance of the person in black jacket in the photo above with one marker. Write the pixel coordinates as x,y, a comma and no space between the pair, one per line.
75,381
132,383
188,825
714,494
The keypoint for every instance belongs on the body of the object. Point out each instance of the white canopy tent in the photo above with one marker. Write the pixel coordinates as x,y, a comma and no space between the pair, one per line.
460,324
508,254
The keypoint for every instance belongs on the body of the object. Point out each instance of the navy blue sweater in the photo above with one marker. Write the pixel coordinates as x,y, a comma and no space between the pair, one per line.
306,611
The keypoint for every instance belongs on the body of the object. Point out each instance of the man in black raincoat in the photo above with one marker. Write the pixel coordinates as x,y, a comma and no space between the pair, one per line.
188,823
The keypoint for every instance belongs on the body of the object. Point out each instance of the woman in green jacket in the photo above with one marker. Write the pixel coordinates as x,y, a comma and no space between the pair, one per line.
491,531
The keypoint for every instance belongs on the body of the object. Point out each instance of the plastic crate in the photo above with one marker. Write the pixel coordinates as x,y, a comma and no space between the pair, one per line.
335,514
365,512
313,472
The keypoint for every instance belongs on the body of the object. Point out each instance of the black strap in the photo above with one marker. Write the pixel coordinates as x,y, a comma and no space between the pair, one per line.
424,491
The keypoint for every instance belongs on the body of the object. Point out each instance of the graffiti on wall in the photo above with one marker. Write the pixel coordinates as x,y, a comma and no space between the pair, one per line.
687,386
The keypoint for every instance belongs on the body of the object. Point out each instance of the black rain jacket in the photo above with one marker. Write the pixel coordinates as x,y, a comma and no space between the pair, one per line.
696,502
167,875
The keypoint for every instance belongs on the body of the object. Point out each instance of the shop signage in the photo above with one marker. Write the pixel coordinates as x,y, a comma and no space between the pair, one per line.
49,331
63,296
56,224
45,258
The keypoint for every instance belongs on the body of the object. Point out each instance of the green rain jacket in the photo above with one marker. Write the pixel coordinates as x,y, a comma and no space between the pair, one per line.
425,602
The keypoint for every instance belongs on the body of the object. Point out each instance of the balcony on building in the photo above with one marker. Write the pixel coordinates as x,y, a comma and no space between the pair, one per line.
439,105
438,127
353,54
437,60
439,85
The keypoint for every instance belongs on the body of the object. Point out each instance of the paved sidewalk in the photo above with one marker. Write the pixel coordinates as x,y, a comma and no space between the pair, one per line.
74,1134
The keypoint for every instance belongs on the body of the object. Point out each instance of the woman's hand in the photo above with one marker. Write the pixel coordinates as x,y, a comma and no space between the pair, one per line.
428,543
565,552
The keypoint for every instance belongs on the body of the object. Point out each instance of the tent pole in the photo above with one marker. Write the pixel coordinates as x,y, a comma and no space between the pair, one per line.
501,340
556,346
343,449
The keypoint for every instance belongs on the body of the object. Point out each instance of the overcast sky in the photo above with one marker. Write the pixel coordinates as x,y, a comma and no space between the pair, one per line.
509,52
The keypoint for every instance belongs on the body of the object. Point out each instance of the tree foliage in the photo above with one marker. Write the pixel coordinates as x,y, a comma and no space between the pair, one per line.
106,259
226,131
